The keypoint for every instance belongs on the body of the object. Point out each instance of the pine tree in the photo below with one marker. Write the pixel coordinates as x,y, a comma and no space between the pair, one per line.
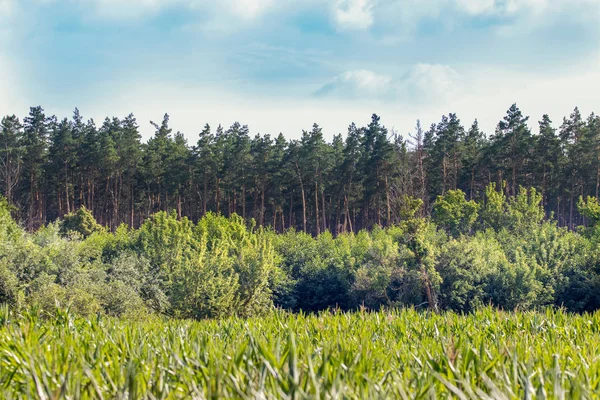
155,166
130,155
11,152
35,156
472,181
62,156
571,135
593,129
351,175
376,161
177,172
261,152
548,158
513,143
205,168
108,161
420,187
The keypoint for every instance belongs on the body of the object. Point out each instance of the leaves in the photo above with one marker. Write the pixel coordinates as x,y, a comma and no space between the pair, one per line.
385,354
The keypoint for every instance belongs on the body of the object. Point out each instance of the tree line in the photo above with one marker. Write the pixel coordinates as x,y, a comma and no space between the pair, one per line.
50,167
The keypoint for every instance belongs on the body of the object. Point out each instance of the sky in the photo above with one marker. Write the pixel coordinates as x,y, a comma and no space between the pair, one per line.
282,65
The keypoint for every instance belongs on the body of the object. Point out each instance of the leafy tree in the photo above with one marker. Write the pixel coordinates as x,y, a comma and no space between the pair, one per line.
590,210
82,221
467,267
454,213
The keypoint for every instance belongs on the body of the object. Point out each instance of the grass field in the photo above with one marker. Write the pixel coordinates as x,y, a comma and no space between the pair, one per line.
400,354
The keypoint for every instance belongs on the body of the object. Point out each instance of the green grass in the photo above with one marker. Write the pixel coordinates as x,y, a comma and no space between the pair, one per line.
399,354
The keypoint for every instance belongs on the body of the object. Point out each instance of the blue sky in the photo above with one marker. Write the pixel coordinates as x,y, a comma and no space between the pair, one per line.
280,65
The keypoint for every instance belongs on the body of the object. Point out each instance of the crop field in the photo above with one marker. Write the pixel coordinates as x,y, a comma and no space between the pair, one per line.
398,354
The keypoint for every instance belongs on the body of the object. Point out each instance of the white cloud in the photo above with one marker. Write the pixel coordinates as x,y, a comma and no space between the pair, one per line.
431,82
398,19
476,7
353,14
489,94
421,83
532,13
427,92
119,9
138,9
393,17
511,7
249,9
536,93
359,83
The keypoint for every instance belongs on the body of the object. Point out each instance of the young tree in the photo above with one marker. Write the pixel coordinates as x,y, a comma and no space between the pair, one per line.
454,213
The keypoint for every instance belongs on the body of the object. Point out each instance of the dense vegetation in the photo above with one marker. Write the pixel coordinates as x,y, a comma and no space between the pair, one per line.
502,251
50,167
395,355
427,243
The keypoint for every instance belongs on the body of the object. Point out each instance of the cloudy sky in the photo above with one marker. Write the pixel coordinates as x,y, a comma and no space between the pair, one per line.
280,65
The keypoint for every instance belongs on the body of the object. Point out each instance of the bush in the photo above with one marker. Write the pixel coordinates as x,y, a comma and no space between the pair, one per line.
10,292
454,213
82,222
509,257
466,267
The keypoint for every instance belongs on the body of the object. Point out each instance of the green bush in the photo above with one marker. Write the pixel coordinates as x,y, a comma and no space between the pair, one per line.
82,222
454,213
501,252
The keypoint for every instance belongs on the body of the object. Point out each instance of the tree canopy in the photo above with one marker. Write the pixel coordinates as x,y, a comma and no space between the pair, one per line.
51,167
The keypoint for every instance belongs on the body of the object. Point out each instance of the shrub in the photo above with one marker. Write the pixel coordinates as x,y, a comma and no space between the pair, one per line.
82,222
454,213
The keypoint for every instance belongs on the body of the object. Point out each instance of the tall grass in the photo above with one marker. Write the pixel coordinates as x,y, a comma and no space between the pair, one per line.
399,354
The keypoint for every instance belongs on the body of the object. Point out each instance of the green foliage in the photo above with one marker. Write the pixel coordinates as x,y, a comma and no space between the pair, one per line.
55,168
525,209
590,209
222,267
516,213
467,267
206,286
493,212
215,268
318,269
9,229
9,287
454,213
385,354
81,222
410,207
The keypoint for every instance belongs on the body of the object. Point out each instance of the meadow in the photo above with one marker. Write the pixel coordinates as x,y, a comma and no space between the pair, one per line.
404,354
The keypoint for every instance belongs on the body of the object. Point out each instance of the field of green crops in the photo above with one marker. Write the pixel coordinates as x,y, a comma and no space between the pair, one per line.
401,354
